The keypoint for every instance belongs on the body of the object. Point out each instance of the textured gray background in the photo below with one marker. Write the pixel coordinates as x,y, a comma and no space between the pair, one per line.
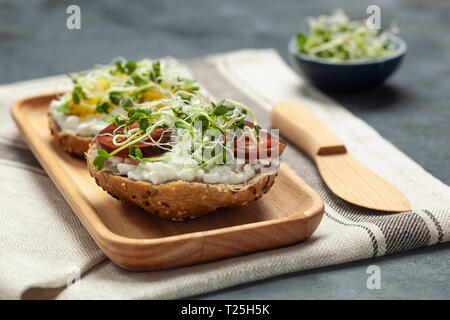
412,110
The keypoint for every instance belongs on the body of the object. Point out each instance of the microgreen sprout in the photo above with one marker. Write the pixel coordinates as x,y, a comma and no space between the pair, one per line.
183,119
337,38
63,107
124,84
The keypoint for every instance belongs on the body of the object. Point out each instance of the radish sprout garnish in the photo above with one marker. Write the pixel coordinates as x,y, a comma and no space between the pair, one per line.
201,125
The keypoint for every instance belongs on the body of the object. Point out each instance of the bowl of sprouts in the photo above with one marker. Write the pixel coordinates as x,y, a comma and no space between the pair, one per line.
342,54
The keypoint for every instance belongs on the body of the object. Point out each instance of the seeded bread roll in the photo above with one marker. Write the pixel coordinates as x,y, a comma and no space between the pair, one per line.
71,143
178,200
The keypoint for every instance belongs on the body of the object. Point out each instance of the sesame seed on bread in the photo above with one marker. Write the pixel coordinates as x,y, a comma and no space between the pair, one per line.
71,143
178,200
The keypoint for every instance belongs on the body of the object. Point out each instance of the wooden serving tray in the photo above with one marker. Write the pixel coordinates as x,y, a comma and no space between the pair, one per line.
136,240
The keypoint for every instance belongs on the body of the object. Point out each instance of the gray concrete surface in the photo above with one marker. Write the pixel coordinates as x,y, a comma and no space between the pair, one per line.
412,110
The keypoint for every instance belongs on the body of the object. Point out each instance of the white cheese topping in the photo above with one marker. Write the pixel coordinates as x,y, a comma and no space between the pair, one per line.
161,172
179,166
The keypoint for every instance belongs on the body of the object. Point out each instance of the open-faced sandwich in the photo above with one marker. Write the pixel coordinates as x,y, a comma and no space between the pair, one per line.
184,156
77,116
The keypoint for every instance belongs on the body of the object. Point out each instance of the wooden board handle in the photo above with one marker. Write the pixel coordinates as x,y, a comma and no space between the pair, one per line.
305,130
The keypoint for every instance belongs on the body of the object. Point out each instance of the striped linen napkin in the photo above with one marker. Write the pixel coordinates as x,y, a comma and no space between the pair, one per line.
43,246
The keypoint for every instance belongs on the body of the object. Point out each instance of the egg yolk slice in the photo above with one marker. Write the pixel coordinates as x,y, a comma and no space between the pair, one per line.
82,110
151,96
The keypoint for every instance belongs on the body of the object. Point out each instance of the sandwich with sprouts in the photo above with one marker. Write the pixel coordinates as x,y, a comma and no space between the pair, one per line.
97,95
185,155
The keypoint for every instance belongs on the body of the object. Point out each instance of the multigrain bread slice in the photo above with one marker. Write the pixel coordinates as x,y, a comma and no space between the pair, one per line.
71,143
178,200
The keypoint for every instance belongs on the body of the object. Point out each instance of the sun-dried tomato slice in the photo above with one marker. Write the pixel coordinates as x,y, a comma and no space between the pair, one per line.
105,139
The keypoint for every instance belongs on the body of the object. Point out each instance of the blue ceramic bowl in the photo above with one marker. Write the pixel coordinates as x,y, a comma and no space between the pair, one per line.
347,75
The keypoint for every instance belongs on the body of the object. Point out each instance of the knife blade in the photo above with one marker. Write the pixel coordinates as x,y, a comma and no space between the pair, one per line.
345,176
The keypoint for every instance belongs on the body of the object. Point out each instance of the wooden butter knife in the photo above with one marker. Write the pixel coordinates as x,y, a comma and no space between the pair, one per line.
344,175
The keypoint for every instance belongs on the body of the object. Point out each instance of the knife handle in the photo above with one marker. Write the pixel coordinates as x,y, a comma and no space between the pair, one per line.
305,130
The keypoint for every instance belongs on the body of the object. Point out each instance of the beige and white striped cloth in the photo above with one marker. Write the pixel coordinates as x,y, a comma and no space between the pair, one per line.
43,246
